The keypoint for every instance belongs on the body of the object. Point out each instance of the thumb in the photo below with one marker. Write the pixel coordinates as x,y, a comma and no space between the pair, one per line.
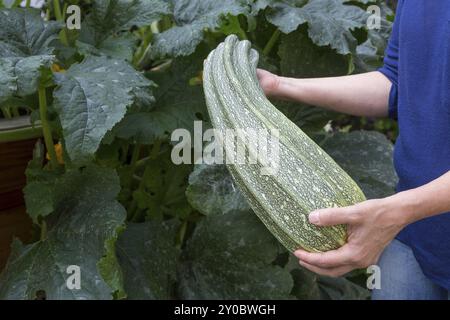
331,216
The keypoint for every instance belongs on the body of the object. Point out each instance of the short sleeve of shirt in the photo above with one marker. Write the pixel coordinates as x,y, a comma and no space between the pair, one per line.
390,66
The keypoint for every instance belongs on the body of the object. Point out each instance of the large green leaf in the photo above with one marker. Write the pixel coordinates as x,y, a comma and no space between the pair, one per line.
144,127
85,218
119,47
100,31
367,157
149,258
310,119
341,289
191,18
311,286
230,256
301,58
370,53
330,22
38,192
163,187
306,286
91,98
211,190
175,96
25,48
38,199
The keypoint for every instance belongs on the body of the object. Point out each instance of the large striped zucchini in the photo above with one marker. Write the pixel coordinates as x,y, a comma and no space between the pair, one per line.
307,177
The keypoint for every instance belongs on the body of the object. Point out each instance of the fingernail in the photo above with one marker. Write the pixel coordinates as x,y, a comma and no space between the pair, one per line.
314,217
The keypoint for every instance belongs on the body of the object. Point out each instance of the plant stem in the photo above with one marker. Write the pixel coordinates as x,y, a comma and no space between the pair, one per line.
132,169
28,3
155,149
6,112
46,127
135,155
133,209
43,235
15,111
242,32
64,11
182,234
273,39
124,155
59,16
57,10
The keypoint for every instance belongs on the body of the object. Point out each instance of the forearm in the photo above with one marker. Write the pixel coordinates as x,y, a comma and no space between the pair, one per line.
364,94
422,202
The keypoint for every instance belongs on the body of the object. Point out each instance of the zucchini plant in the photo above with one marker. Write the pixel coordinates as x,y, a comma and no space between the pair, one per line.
102,191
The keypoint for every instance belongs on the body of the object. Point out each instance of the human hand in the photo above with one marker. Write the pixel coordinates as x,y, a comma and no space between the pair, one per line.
269,82
371,225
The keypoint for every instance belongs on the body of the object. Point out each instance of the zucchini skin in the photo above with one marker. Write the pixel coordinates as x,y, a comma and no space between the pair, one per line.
307,177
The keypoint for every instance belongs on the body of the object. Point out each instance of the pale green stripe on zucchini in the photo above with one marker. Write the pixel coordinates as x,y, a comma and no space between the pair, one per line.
307,177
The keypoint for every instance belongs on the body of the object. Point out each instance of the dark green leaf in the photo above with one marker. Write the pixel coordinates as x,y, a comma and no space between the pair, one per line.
38,199
108,18
119,47
176,97
85,218
145,128
330,22
91,98
370,53
306,286
149,259
230,257
212,191
25,48
367,157
301,58
191,18
341,289
164,185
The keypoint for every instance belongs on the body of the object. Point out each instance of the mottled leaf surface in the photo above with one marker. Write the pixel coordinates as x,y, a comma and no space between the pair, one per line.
367,158
86,216
330,22
99,31
191,18
25,48
162,189
211,190
230,257
176,96
149,258
91,98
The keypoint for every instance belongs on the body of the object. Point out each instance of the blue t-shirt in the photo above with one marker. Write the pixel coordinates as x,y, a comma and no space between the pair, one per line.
417,62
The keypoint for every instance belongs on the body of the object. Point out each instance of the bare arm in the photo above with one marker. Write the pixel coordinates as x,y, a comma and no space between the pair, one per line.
364,94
